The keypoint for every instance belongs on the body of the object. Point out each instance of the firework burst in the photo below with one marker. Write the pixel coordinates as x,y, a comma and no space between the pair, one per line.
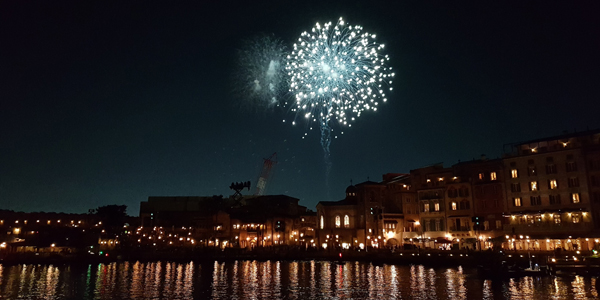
337,72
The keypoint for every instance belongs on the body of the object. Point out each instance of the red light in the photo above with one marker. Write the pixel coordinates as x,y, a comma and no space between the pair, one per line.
340,255
106,254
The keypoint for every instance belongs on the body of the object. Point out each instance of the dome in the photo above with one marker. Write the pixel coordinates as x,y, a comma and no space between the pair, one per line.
351,191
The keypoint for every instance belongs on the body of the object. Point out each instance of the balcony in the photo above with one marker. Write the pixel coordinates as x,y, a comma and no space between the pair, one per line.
460,228
549,227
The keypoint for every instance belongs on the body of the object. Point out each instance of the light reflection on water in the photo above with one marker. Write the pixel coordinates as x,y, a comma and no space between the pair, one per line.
276,280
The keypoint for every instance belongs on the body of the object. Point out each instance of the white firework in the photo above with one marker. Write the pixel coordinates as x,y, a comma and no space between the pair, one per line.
261,79
336,72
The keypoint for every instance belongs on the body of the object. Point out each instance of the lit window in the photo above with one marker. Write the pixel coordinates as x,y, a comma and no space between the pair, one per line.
514,173
493,176
557,219
480,176
453,205
533,185
322,222
553,184
346,221
426,207
338,221
498,224
575,198
575,218
517,201
436,207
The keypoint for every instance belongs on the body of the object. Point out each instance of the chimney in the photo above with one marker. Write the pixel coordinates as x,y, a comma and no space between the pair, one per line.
483,157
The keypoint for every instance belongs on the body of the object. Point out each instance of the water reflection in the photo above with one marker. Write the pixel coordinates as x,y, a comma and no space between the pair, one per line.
276,280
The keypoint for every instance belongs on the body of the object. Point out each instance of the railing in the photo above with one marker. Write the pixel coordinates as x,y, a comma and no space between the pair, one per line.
540,227
461,228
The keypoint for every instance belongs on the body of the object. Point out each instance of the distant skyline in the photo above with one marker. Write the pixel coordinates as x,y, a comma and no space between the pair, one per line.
112,104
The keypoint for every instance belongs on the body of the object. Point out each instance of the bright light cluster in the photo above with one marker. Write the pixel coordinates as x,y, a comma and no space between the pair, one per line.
261,79
337,71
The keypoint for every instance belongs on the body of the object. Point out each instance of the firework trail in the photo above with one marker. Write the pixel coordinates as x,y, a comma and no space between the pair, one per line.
336,72
261,77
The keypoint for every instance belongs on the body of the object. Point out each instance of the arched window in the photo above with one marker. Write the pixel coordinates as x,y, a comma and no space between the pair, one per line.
322,222
346,221
338,221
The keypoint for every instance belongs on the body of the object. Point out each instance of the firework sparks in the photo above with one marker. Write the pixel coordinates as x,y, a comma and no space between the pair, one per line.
261,80
337,72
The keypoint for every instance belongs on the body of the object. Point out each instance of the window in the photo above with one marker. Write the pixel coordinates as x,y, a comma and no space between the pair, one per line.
486,225
514,173
452,193
453,205
515,187
517,201
463,192
322,222
465,204
480,176
535,200
436,207
555,199
552,184
337,222
573,182
531,171
575,198
533,186
426,207
498,224
493,176
551,169
346,221
557,219
575,218
596,197
571,166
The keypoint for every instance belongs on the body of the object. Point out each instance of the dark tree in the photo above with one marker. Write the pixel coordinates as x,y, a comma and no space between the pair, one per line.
112,215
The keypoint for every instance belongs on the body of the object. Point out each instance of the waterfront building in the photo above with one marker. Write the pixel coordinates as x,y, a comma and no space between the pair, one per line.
430,184
550,183
486,178
229,222
339,223
400,210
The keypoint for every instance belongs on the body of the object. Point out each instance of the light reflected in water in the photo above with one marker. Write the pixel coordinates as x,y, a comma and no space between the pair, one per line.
276,280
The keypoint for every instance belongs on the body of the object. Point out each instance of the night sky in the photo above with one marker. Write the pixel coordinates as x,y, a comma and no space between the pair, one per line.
109,104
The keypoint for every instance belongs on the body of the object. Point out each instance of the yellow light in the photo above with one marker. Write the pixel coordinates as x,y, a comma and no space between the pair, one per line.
52,245
417,223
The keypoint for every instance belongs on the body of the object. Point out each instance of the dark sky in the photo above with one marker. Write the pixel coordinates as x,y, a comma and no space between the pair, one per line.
109,104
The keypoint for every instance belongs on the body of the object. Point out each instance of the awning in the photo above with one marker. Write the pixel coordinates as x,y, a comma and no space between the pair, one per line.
442,240
390,222
409,220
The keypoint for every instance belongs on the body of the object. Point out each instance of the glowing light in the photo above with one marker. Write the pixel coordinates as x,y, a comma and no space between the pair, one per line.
337,72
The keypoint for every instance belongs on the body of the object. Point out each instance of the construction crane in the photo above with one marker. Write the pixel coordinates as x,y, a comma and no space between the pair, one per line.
265,173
